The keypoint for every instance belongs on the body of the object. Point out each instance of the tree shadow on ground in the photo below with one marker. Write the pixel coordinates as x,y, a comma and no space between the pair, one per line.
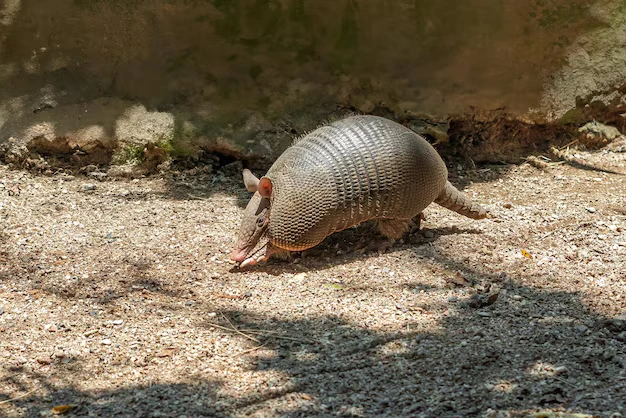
517,359
198,399
532,349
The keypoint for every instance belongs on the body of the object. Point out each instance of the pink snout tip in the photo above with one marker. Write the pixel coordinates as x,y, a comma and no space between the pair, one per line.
238,255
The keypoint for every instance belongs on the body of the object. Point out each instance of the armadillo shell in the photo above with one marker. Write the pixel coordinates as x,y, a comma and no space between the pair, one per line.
350,171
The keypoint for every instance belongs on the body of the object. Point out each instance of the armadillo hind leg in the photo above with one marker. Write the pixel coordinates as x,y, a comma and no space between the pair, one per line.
455,200
393,228
417,223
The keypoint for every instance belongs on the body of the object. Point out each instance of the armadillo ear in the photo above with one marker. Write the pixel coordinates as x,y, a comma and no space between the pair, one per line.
250,181
265,187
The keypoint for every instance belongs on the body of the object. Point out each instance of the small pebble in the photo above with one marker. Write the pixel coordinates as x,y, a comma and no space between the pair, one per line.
453,299
560,370
581,328
591,210
117,322
97,175
484,314
429,234
516,297
44,360
106,341
508,205
622,336
89,186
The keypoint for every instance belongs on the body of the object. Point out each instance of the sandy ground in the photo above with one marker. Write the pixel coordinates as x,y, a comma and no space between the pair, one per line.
117,299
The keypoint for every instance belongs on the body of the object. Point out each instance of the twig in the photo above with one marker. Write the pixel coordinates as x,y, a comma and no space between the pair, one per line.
280,337
284,337
547,235
272,334
567,145
564,381
196,197
249,350
19,397
237,331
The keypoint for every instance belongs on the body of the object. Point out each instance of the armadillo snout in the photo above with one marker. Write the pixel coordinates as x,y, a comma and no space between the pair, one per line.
239,254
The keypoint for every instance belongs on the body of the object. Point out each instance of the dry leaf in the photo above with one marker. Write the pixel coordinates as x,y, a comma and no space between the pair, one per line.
335,286
526,254
492,299
458,280
62,409
168,352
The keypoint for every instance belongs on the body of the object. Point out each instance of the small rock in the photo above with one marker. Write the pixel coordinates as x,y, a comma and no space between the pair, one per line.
117,322
106,341
581,328
516,297
89,187
212,314
120,171
591,210
51,328
453,299
300,276
89,168
400,307
429,234
1,311
484,314
508,205
622,336
44,360
560,370
97,175
90,332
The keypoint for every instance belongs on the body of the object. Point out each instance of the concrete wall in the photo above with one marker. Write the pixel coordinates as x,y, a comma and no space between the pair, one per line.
242,76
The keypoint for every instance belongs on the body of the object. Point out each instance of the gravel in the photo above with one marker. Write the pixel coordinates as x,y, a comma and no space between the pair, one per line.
120,300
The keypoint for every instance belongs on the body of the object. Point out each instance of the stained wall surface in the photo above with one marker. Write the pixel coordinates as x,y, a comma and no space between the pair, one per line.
193,72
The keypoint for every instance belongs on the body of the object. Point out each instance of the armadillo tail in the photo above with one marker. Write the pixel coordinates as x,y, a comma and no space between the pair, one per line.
453,199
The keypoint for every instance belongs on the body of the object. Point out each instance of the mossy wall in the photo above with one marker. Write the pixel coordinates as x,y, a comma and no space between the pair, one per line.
217,62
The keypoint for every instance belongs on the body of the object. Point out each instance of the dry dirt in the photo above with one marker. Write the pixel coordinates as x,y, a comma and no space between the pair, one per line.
118,299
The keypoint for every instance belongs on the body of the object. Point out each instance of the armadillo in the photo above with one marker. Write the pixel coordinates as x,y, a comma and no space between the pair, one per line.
353,170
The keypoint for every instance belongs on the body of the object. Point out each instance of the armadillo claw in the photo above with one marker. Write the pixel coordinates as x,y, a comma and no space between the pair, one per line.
252,261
